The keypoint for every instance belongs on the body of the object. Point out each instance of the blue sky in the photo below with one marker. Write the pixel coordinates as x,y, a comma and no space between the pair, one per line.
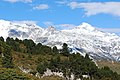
103,14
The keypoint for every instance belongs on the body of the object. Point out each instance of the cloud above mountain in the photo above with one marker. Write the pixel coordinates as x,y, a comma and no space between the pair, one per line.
111,30
41,7
14,1
93,8
59,26
26,21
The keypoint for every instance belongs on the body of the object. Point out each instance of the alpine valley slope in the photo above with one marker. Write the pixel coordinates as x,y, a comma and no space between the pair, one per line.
83,38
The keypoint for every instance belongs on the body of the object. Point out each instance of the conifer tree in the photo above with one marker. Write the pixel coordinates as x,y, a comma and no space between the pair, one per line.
7,58
65,50
2,39
55,50
87,57
41,68
0,49
37,49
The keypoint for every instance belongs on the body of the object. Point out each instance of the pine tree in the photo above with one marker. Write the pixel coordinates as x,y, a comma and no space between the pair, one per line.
65,50
55,50
7,58
30,45
87,57
0,49
37,49
41,68
2,39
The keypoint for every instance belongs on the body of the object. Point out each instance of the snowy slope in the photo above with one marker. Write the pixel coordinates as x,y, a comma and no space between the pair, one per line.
83,38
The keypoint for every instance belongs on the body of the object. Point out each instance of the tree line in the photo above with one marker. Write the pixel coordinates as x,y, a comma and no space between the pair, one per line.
71,64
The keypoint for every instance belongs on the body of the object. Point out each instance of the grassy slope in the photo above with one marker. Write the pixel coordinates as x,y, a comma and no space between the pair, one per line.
14,74
30,62
20,59
113,66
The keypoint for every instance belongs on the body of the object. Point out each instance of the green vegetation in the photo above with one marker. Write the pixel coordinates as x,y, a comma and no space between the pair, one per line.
37,58
5,52
55,50
11,74
115,66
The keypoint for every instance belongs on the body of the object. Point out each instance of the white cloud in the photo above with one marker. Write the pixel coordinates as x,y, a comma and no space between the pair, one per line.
41,7
59,26
67,25
14,1
62,2
111,30
93,8
64,26
48,23
27,21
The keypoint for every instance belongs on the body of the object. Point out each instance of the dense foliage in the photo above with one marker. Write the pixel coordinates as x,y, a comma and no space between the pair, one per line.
6,55
11,74
52,58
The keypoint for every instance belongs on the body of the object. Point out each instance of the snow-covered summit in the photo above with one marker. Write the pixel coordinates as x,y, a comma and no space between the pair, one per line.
86,26
83,38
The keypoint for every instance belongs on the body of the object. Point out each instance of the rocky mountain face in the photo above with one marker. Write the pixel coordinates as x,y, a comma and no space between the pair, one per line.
83,38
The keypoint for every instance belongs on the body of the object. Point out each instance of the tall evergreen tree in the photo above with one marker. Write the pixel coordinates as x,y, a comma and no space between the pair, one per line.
41,68
2,39
37,49
55,50
29,44
87,57
0,49
13,43
7,58
65,50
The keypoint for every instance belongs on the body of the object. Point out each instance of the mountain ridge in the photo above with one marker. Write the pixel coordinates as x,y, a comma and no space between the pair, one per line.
83,38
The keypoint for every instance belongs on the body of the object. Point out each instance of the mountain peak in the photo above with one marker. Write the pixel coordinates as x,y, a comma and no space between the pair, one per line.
51,28
84,38
86,26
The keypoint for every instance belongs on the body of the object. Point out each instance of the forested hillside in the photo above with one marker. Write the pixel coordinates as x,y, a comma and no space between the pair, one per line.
18,57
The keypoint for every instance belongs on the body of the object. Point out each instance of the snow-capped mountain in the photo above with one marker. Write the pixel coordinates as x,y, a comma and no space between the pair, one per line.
83,38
